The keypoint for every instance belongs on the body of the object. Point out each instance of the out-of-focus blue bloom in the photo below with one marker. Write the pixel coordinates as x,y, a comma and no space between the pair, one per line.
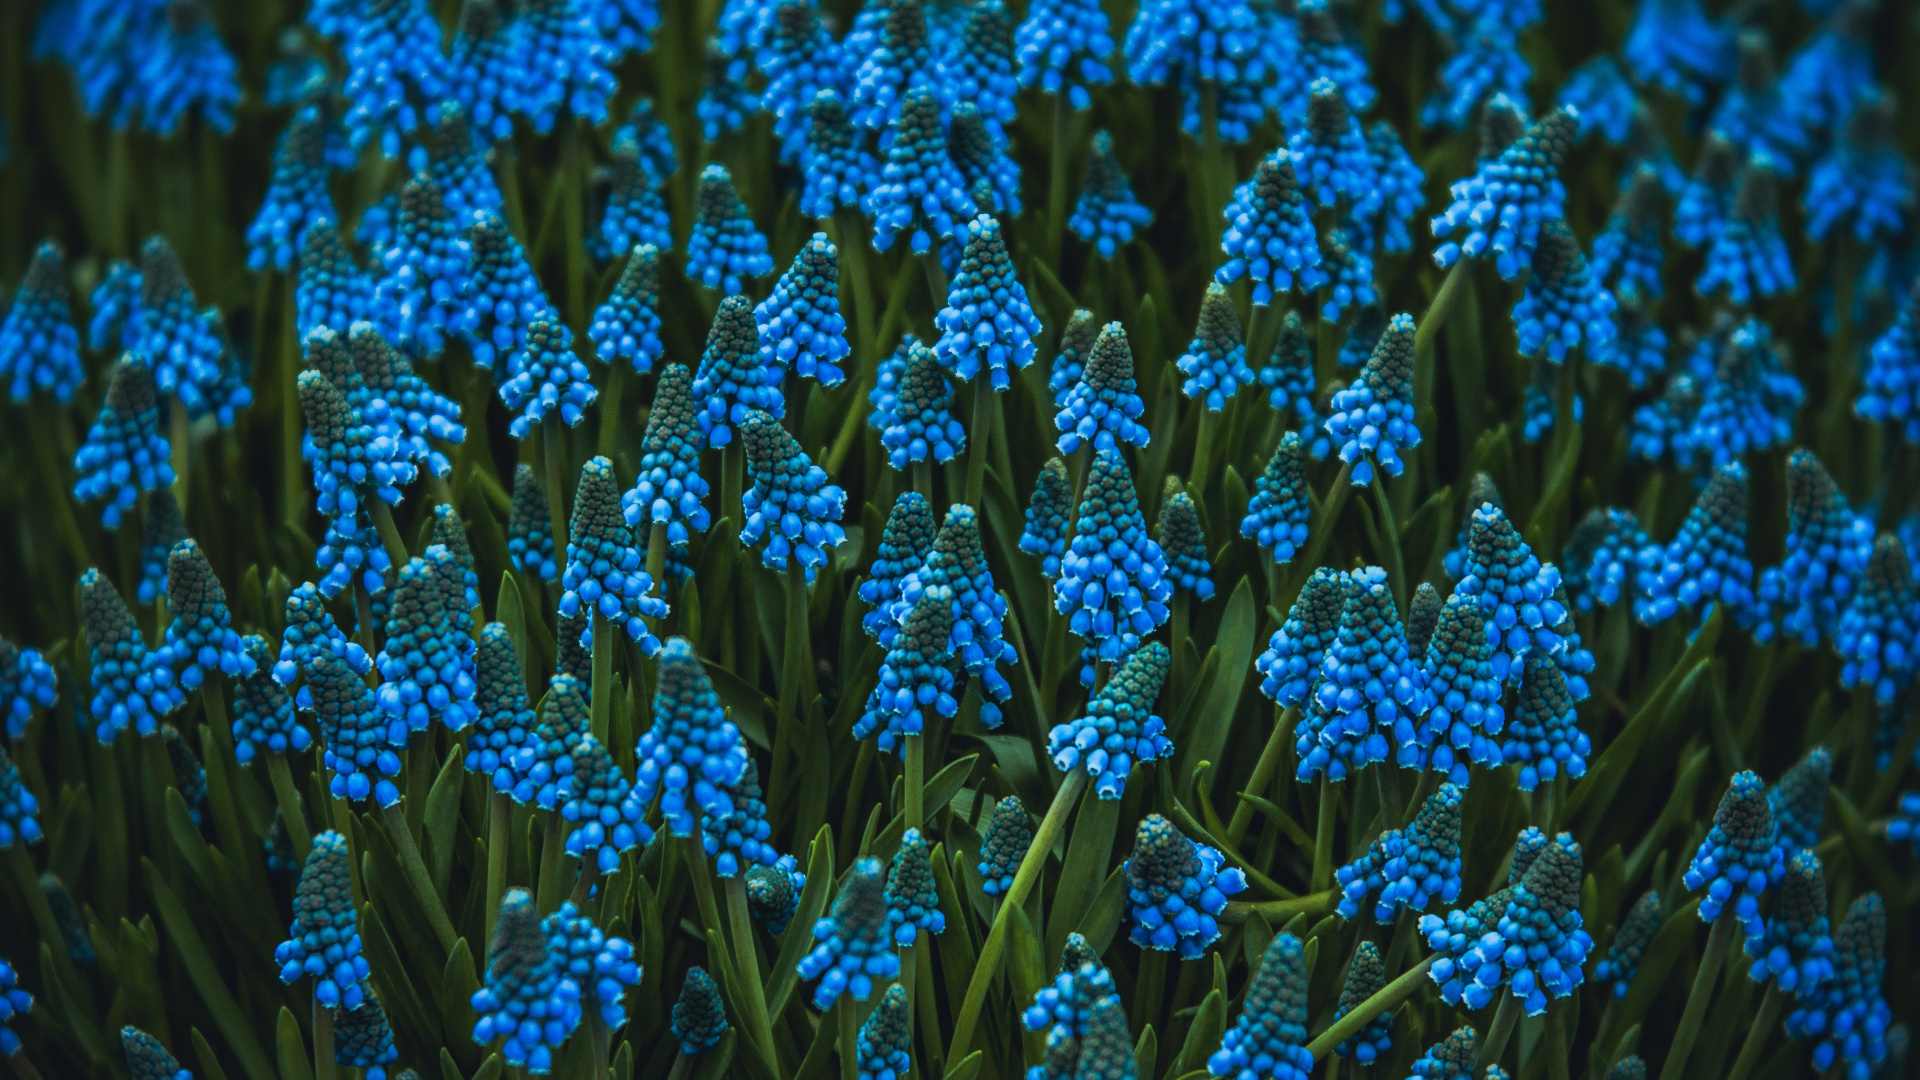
1542,398
1487,62
1608,556
458,163
17,822
395,72
1269,1038
1827,551
1602,97
1191,44
742,25
800,323
738,839
39,346
1879,631
923,427
1366,976
913,904
1289,378
1890,385
1541,735
530,999
1045,534
1120,728
1063,46
124,453
608,817
692,751
728,100
733,381
1269,235
1747,257
331,289
987,322
297,195
980,69
1647,145
1503,205
1324,53
1630,942
1003,845
1368,686
636,212
1107,214
1103,408
1659,427
800,59
1527,937
182,67
1277,514
546,374
789,504
529,531
1350,271
1408,868
920,188
605,572
1640,345
74,933
26,680
562,65
184,345
115,303
324,940
1739,859
484,71
1831,72
1330,155
1113,582
1905,826
627,325
419,299
725,246
1752,112
1674,46
199,635
838,170
1749,403
916,675
699,1018
904,545
1215,363
1795,948
1514,588
1864,178
855,947
1175,888
773,893
1706,203
627,26
1373,416
899,58
1291,664
1076,342
1799,801
504,720
1466,717
957,562
1399,188
1848,1014
1627,253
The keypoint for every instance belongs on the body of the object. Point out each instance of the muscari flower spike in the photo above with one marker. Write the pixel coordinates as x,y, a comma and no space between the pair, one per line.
1401,187
886,1037
1675,46
1045,534
1752,111
733,381
1564,304
1486,62
1114,583
1276,517
297,195
991,175
1480,490
1330,154
605,573
636,212
1527,937
605,809
1450,1059
26,680
855,944
773,893
310,630
1215,362
39,345
450,533
1795,948
596,961
200,637
1748,258
563,65
1706,562
125,453
1289,379
627,325
791,509
923,426
163,528
1864,183
1350,275
691,749
728,99
1848,1013
669,490
725,246
987,322
547,375
546,759
917,674
131,686
1799,801
1107,213
913,904
1104,407
66,916
1750,396
1739,859
361,741
1076,341
1186,45
1627,252
800,59
1291,663
1175,888
1003,845
484,70
349,458
394,72
529,1000
1062,47
189,776
331,289
904,545
800,324
1408,867
1542,735
1120,728
900,58
17,808
1607,553
1878,635
1366,681
838,169
1373,416
1268,1041
1828,547
324,940
738,840
1640,345
1269,235
1514,588
147,1059
364,1040
501,298
504,720
426,660
1890,381
529,530
1502,206
573,651
1064,1006
699,1018
1707,200
1630,942
419,301
1366,976
1185,545
1604,98
1467,717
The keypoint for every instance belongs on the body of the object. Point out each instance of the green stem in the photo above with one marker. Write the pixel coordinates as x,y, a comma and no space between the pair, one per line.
915,756
682,1067
1023,881
415,870
793,660
1505,1019
323,1065
553,453
850,236
746,958
499,843
21,1067
1261,322
979,434
697,872
849,1037
1323,837
1436,314
288,796
27,880
1386,774
936,276
180,443
1198,472
923,477
1057,180
733,480
1149,985
602,704
1718,940
1390,549
928,1008
610,406
1263,770
553,840
1329,516
396,548
1385,1000
1756,1040
1556,1049
1277,912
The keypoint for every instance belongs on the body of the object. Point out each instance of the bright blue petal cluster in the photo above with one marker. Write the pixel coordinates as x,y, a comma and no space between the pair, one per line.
419,300
125,453
132,688
26,680
529,530
1400,187
403,406
1269,234
1640,345
1185,543
691,750
790,507
669,489
605,572
1104,407
738,839
1864,184
17,810
546,760
1602,97
883,1051
1373,417
1514,588
1064,1007
913,904
504,720
1748,258
331,289
1799,801
1277,514
563,65
1466,720
350,461
1290,378
1076,342
39,346
627,325
1502,206
1452,1057
185,346
1831,73
904,545
309,631
1609,556
1827,550
725,246
987,322
1290,666
1627,253
729,99
838,170
1752,112
603,806
1269,1039
1366,976
1542,735
1107,214
1063,46
1113,583
636,212
395,71
923,426
14,1003
530,998
1190,43
200,637
733,381
1890,383
1215,363
1481,490
484,70
1564,304
296,194
900,58
855,945
1175,888
1486,63
1003,845
1368,686
363,1039
1673,45
1047,513
1739,859
546,374
1350,275
1120,728
1630,942
917,674
1878,635
1527,937
800,324
501,297
1848,1014
426,662
1707,200
980,74
147,1059
1659,428
1795,948
361,741
324,940
1408,867
800,59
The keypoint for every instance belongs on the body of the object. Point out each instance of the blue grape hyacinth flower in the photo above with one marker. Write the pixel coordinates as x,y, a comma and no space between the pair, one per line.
426,662
1107,214
529,999
957,562
913,904
636,211
1564,304
1752,111
1062,47
838,171
132,688
725,246
904,544
987,324
361,741
597,961
1185,544
1640,345
324,940
1827,547
1542,735
1707,200
1120,728
331,289
546,760
792,510
124,453
297,195
1452,1059
699,1017
627,325
1215,363
1350,275
1324,51
1799,801
1603,96
1366,976
728,99
1113,583
504,721
1330,153
900,54
884,1048
1502,206
1514,588
1739,860
980,69
1291,664
483,71
1849,1016
605,573
403,406
14,1003
854,947
1076,342
669,490
733,381
1047,517
1104,407
1675,46
1608,551
529,530
1401,187
923,426
1706,562
1368,684
1064,1007
1527,937
1878,635
1864,184
1627,253
1373,417
395,71
199,637
800,324
351,462
363,1039
1408,868
1269,235
310,630
800,59
1003,845
546,375
738,841
26,680
1890,381
1277,514
1175,889
916,676
1467,718
1630,942
1794,948
692,752
1363,333
1748,258
605,810
419,301
500,297
39,345
185,346
563,65
1290,380
1486,62
1268,1041
18,808
147,1059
